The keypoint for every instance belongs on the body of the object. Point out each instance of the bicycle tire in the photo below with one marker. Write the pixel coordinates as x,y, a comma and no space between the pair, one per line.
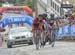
37,41
52,38
43,39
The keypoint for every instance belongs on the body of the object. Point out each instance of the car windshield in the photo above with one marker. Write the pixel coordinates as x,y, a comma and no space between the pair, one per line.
18,30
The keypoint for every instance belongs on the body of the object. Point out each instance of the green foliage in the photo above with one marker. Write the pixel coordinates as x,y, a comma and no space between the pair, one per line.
17,2
27,3
1,2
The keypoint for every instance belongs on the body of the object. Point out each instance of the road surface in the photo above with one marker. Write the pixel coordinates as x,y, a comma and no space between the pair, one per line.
61,48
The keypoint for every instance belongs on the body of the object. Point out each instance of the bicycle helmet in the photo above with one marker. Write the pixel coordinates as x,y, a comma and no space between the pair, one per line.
40,15
52,15
44,15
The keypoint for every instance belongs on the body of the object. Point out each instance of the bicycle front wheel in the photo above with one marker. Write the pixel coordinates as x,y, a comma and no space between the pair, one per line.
53,39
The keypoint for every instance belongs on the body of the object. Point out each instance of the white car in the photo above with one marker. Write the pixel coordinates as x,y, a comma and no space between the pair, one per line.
19,35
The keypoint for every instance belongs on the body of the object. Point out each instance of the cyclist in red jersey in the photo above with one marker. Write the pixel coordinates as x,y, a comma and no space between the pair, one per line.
37,22
37,28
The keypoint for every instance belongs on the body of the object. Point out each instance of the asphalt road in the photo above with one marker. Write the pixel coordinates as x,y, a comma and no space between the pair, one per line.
61,48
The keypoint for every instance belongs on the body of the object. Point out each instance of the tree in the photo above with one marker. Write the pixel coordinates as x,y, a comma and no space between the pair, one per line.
1,1
0,4
27,3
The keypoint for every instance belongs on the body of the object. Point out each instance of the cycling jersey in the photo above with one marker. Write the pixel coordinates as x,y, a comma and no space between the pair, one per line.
37,24
44,25
51,23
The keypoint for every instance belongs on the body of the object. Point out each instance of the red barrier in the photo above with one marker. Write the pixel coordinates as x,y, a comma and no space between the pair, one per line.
25,8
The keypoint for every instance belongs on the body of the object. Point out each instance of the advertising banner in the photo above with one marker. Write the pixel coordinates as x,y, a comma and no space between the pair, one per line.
16,19
60,31
67,29
73,29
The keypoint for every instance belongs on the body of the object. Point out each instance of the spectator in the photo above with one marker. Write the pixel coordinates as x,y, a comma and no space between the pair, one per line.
70,19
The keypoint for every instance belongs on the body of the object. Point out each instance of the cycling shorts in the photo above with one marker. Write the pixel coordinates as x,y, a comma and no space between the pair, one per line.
36,26
43,28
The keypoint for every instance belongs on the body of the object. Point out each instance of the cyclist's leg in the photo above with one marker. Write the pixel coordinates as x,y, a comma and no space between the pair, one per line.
33,31
53,38
34,36
50,36
38,39
44,37
44,34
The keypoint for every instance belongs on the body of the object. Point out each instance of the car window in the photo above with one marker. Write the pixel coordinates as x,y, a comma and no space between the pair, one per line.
18,30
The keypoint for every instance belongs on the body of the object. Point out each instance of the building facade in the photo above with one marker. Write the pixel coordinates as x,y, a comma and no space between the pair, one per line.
42,6
54,6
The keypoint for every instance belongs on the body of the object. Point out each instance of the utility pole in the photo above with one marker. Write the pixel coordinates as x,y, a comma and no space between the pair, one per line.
35,8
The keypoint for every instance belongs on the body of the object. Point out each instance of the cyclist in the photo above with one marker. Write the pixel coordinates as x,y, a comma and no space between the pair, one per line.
51,27
37,28
44,29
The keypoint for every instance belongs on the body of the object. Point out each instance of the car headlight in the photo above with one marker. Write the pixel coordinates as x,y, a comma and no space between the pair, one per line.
11,38
30,35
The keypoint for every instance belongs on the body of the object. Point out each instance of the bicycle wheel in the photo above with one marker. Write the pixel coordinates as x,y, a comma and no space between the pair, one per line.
43,35
53,39
37,40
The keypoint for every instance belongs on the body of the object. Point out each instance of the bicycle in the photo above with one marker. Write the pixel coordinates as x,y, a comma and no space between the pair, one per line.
52,38
37,38
43,37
